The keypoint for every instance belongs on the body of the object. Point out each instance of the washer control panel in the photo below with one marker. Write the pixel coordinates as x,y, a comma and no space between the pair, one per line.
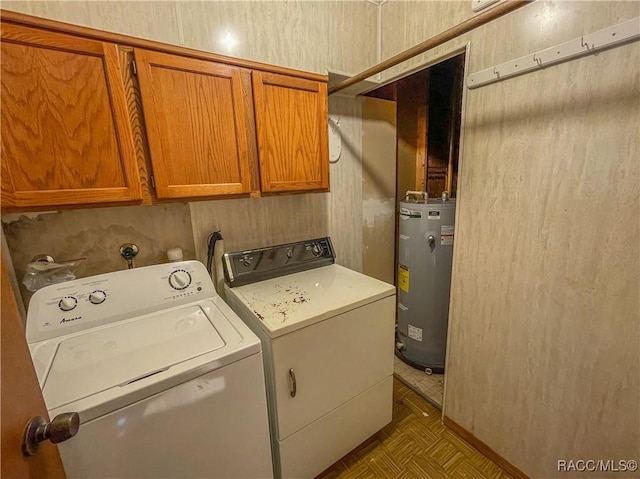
89,302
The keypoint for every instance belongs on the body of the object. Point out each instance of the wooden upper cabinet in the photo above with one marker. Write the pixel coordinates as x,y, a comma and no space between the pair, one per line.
214,125
195,113
291,122
66,135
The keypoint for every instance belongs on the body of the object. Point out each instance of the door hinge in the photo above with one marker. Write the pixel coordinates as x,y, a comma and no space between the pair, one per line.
153,182
134,68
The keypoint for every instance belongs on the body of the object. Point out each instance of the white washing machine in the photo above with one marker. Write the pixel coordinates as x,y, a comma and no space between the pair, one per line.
167,380
328,340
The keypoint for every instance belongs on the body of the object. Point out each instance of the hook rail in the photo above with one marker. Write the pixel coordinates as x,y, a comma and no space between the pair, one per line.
586,44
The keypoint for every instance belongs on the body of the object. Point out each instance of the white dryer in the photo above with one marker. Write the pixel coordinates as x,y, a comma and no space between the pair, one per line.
167,380
328,336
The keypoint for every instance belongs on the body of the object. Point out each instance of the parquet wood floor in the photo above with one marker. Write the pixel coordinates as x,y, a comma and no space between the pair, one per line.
415,445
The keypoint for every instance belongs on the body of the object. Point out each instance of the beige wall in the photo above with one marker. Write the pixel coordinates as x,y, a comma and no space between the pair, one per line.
378,188
407,23
544,346
304,35
250,223
309,35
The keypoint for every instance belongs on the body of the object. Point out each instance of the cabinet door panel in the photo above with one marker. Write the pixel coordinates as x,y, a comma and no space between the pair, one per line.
333,361
66,136
195,116
291,120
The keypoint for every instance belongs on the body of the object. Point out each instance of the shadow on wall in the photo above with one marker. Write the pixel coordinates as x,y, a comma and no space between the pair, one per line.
252,223
531,108
97,234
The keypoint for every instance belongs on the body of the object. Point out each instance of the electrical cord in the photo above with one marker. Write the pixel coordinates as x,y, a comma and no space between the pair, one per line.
211,244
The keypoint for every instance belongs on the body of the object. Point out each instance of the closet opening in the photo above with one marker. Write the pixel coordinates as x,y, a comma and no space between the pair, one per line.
412,127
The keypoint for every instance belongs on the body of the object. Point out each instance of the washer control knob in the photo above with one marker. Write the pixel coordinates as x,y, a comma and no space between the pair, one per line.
67,303
317,249
97,297
180,279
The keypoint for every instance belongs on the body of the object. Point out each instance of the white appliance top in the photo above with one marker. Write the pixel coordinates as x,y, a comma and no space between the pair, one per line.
85,303
148,329
294,301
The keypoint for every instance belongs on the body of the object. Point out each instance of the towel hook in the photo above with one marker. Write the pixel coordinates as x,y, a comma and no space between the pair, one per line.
586,45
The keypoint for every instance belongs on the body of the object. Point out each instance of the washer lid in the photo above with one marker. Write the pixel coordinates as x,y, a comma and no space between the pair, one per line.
126,352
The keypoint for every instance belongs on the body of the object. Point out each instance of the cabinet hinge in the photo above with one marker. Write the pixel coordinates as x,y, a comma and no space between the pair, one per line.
134,67
153,182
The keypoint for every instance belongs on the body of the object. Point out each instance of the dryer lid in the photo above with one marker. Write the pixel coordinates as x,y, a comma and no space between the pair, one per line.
126,352
295,301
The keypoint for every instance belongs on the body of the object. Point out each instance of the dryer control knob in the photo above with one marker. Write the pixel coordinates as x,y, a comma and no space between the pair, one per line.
67,303
97,297
180,279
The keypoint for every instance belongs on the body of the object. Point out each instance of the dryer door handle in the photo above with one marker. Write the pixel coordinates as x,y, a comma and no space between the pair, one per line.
294,386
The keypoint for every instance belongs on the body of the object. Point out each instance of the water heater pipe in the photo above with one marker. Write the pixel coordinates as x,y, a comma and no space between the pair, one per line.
424,194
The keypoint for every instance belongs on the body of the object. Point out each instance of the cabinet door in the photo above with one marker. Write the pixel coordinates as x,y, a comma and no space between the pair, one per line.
66,136
195,114
332,361
291,121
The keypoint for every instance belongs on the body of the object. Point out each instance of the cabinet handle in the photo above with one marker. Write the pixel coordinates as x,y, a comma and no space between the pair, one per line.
294,387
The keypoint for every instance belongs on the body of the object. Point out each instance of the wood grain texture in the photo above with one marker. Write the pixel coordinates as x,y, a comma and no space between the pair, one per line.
291,120
306,36
413,119
422,135
126,40
455,124
250,128
441,15
138,127
545,311
196,124
21,396
349,49
275,219
65,131
450,34
544,340
280,33
483,448
415,445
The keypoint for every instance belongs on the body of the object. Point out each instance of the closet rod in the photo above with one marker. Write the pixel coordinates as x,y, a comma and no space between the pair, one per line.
439,39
